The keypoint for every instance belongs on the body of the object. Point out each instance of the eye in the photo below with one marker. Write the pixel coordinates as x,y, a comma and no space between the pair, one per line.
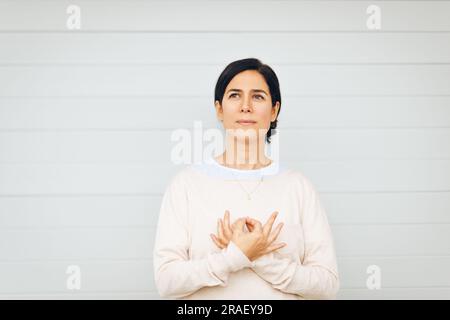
232,95
259,96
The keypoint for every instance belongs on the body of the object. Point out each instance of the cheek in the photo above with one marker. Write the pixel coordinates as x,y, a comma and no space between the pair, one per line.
229,115
265,115
231,112
230,108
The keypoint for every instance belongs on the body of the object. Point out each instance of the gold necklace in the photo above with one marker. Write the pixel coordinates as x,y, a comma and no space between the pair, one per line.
245,190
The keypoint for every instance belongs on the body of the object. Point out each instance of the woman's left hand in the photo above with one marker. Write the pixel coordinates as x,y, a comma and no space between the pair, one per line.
224,232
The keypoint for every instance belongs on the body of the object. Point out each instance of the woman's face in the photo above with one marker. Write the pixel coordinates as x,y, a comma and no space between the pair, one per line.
247,97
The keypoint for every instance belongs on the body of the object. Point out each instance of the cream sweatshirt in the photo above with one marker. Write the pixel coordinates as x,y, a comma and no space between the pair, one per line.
188,264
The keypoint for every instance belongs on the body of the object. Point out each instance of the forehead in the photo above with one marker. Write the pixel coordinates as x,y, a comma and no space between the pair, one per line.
247,80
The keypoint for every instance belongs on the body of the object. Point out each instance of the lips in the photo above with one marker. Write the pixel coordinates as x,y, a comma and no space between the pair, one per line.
246,122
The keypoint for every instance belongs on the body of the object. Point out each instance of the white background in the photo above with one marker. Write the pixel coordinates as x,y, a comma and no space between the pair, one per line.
86,118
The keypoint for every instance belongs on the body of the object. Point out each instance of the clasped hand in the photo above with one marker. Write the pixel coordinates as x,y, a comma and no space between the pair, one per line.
258,241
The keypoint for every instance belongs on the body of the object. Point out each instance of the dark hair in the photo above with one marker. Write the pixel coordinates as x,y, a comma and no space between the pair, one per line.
269,75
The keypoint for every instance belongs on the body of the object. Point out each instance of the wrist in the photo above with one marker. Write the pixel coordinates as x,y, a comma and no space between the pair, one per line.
237,259
262,261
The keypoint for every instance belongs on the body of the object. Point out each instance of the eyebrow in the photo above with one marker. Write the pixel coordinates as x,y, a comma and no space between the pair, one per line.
254,90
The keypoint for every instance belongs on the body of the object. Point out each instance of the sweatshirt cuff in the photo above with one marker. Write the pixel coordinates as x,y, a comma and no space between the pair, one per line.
236,259
263,261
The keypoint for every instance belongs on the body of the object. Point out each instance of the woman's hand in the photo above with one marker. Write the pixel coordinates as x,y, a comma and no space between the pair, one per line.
255,243
224,231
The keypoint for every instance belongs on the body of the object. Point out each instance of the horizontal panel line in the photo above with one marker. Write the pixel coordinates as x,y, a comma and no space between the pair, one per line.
263,1
149,164
74,293
396,287
94,292
153,226
111,31
134,260
121,64
394,224
166,129
75,195
45,261
158,194
394,256
65,227
391,257
323,160
385,192
146,162
185,96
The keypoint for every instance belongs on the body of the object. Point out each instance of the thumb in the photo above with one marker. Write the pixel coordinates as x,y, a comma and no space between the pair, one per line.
255,224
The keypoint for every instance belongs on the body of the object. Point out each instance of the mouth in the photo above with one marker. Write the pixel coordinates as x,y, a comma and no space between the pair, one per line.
246,122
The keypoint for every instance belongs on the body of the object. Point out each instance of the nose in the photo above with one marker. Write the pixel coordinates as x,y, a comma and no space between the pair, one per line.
245,109
246,106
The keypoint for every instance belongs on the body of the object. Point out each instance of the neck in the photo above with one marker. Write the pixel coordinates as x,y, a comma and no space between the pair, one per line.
249,156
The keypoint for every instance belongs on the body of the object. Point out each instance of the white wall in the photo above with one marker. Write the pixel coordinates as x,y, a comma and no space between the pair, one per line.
86,118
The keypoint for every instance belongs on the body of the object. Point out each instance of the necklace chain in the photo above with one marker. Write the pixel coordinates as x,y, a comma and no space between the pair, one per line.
245,190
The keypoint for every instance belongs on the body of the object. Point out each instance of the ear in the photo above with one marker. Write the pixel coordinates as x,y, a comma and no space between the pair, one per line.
275,111
219,110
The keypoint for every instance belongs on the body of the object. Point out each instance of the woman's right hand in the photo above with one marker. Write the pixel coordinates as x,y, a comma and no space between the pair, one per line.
259,240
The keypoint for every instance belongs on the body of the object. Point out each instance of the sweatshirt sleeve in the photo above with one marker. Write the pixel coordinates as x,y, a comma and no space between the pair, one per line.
316,277
176,275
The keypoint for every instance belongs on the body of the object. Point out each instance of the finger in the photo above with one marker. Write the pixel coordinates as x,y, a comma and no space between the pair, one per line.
250,224
275,233
239,224
216,241
221,240
227,229
250,227
268,226
220,229
254,223
274,247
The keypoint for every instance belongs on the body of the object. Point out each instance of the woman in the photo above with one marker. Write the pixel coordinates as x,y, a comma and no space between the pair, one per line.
250,258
